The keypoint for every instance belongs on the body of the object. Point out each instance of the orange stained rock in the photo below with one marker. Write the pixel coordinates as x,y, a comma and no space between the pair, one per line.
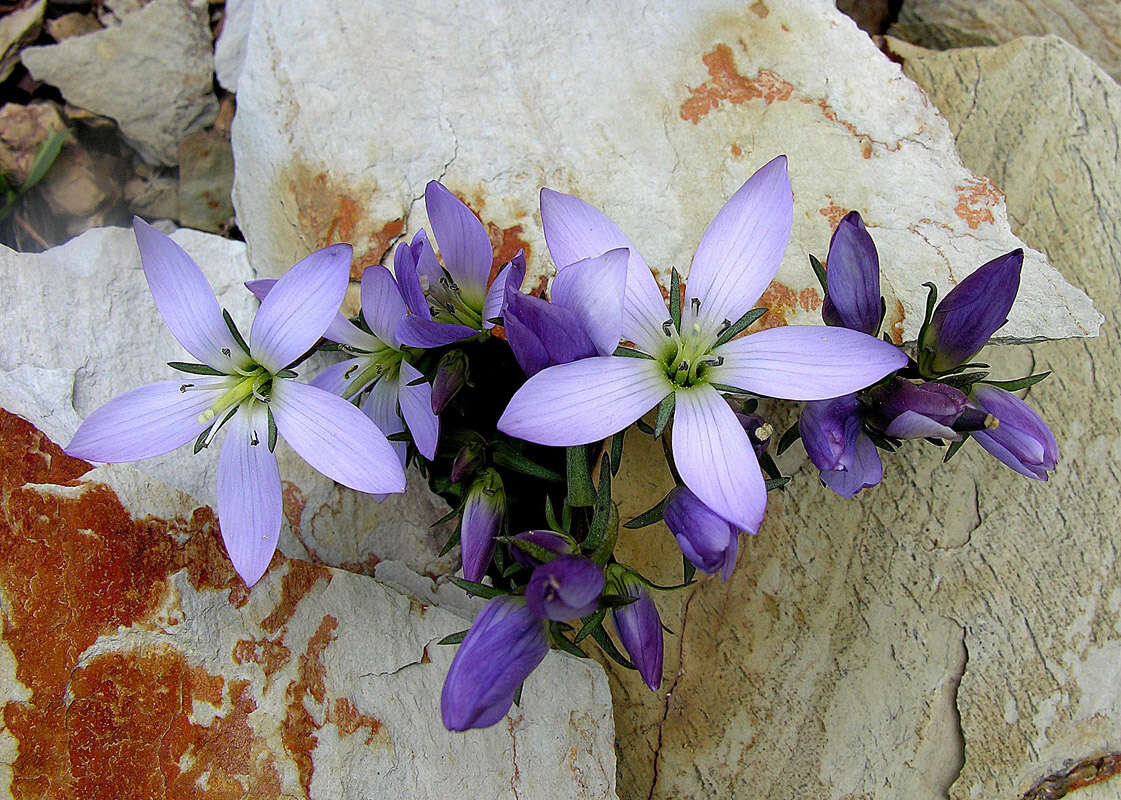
833,213
726,83
299,727
976,199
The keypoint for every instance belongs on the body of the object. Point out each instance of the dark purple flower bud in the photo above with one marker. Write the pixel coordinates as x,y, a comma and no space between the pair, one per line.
1021,439
540,333
505,644
709,541
904,410
482,516
550,540
467,460
971,313
832,434
452,374
852,295
758,431
565,588
639,628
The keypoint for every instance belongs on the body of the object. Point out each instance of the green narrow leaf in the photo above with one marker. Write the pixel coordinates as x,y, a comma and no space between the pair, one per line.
648,517
777,483
630,352
512,459
400,436
1019,383
591,622
617,451
542,554
194,369
724,387
562,642
819,271
608,646
952,450
688,571
675,299
739,326
478,589
580,490
200,442
769,466
453,540
551,516
600,541
453,638
518,695
789,437
964,380
417,381
234,331
45,156
272,429
445,518
514,568
665,411
642,426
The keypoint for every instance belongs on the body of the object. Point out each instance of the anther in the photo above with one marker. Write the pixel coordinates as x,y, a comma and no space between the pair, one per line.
350,371
724,326
667,327
696,305
226,352
683,366
185,387
254,441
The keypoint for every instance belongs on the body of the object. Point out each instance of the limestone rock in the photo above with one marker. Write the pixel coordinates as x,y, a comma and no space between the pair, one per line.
229,50
22,130
134,663
955,631
82,185
73,24
85,329
536,94
153,194
206,176
1091,25
18,28
153,74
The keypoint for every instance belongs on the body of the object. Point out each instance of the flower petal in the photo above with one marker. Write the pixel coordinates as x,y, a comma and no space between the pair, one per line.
185,300
593,289
805,362
383,307
300,307
742,248
416,408
405,259
558,406
913,425
146,422
380,406
464,244
640,630
492,306
341,329
335,438
852,299
715,458
335,379
575,230
534,326
414,331
864,471
249,499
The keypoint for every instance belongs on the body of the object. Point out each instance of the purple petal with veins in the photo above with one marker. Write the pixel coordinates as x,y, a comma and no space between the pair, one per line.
464,244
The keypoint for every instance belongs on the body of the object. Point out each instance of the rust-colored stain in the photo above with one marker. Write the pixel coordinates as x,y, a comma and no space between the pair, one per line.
779,300
737,151
380,242
976,199
726,83
894,323
349,719
759,8
506,242
299,727
269,654
866,141
809,299
1086,772
296,583
833,213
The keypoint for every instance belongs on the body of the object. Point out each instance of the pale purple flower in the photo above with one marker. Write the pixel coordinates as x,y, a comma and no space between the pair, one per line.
709,541
639,627
455,301
378,364
252,389
483,510
1021,440
590,399
565,588
505,644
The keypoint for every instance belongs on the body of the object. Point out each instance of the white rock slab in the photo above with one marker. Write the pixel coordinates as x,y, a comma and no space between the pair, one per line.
654,112
229,50
153,74
84,328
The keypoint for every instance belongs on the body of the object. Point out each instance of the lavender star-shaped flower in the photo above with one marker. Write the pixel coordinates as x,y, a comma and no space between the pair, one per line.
247,388
588,400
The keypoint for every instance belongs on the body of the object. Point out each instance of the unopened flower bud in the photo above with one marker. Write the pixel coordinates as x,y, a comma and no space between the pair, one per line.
565,588
832,432
482,517
638,625
852,295
452,374
1021,439
550,540
904,410
709,541
467,460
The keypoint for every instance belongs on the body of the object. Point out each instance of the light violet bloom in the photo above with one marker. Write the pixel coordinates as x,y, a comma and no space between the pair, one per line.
455,301
378,364
693,361
247,388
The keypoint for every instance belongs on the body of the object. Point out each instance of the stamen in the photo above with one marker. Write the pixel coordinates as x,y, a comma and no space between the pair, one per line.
254,441
764,432
226,352
724,326
667,327
683,366
350,371
696,305
185,387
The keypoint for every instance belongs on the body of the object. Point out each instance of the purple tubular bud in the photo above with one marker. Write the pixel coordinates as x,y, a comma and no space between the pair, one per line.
451,375
973,311
505,644
566,588
482,516
863,471
467,460
758,431
709,541
852,296
829,429
550,540
640,630
904,410
1021,439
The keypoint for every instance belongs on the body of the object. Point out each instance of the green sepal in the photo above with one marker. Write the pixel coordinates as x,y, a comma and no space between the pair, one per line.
740,325
45,155
200,442
561,641
454,638
451,514
581,493
924,352
819,271
648,517
1019,383
617,451
776,483
512,569
542,554
768,465
602,535
400,436
518,694
661,588
272,429
616,600
234,332
882,442
288,373
194,369
688,571
591,622
724,387
551,517
630,352
675,299
665,411
608,646
964,380
505,456
952,450
788,438
452,541
478,589
417,381
750,405
645,428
